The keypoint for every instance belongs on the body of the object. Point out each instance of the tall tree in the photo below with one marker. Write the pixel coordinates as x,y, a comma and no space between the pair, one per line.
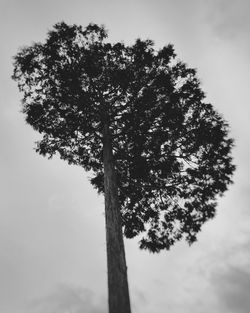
137,118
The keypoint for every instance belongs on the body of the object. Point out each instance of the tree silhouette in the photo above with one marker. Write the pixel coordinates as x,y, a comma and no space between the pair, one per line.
136,118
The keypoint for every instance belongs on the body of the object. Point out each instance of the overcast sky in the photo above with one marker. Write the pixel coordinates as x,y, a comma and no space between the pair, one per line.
52,240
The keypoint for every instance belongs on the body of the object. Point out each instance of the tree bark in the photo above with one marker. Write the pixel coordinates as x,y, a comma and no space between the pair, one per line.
117,270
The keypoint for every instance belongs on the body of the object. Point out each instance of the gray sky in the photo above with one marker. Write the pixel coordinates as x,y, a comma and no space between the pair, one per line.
52,242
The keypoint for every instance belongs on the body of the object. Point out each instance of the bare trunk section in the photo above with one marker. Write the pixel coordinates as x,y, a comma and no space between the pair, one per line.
117,269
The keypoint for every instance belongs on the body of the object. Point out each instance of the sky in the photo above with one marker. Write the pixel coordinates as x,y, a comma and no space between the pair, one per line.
52,235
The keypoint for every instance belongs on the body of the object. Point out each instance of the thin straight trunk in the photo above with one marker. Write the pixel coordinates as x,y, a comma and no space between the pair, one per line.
117,269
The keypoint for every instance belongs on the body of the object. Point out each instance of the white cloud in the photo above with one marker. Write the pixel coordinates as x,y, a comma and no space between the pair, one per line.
232,286
230,19
69,299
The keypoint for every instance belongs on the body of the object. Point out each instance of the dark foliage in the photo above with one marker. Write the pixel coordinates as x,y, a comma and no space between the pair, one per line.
171,149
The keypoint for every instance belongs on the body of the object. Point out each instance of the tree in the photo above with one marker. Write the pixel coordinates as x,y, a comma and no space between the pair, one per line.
137,118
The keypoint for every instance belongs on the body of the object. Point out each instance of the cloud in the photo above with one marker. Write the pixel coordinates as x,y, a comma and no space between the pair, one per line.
229,19
70,299
231,279
233,288
138,299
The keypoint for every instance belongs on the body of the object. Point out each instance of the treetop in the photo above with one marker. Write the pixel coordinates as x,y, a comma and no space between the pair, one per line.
171,149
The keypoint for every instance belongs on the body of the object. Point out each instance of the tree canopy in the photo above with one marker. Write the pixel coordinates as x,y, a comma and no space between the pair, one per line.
172,152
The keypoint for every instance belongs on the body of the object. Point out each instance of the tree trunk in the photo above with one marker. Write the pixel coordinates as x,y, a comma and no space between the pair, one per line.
117,269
